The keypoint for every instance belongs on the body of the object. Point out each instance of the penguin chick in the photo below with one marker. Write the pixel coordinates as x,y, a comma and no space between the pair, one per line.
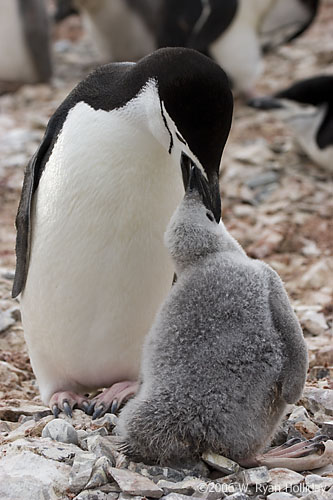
307,107
225,354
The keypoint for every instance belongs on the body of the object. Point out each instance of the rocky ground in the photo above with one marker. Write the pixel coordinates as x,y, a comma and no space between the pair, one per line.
276,202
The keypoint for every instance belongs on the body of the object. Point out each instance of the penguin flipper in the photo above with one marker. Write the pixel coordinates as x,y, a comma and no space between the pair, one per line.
286,323
23,224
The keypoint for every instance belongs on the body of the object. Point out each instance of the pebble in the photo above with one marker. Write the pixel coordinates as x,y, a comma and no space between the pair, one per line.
81,471
281,478
103,446
186,487
257,475
60,430
6,320
327,429
318,400
12,412
135,484
155,472
315,482
220,463
281,495
100,474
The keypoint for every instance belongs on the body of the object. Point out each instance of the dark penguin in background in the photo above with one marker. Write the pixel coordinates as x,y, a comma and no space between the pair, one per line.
25,55
98,194
235,33
224,357
307,107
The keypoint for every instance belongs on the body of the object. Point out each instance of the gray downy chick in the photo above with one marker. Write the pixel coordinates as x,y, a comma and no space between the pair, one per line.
225,354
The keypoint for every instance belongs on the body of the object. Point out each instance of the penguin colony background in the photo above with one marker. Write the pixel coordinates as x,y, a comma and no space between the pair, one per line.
235,36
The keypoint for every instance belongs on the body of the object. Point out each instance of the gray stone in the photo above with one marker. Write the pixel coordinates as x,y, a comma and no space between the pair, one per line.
60,452
13,412
327,429
220,463
6,320
96,495
156,472
238,496
26,476
186,487
177,496
100,474
318,400
315,482
281,478
81,471
103,446
109,421
60,430
256,475
135,484
316,495
281,495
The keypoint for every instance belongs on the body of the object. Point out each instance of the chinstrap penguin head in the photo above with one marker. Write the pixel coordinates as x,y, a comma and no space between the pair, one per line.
193,232
195,110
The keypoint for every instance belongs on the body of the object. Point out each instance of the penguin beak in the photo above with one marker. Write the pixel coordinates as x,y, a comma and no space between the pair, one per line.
208,190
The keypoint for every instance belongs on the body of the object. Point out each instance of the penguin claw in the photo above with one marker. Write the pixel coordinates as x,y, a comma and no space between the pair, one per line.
55,411
67,409
85,407
114,406
99,411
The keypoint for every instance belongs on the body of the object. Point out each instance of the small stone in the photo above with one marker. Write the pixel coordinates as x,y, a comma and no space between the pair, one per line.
109,421
316,495
6,320
178,496
256,475
103,446
220,463
60,452
281,495
125,496
20,432
238,496
135,484
81,471
12,412
100,474
327,429
156,472
315,482
60,430
281,478
185,487
92,495
314,322
318,400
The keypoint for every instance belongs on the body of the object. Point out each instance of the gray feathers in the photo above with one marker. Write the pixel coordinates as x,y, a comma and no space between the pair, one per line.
225,353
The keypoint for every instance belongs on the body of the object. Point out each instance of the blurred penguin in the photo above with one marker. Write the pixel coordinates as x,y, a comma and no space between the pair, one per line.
25,40
307,107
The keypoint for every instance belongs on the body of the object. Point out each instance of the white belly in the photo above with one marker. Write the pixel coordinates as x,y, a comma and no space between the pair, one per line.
98,268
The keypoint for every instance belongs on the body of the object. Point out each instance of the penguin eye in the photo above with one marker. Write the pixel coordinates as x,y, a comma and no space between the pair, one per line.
210,216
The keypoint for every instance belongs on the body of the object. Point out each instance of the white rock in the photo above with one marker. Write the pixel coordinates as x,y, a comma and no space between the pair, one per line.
281,495
135,484
186,487
220,463
81,471
6,320
60,430
256,475
282,479
27,476
315,482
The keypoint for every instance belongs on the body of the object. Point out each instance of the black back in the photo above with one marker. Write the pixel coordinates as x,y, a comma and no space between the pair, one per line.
195,93
316,91
178,23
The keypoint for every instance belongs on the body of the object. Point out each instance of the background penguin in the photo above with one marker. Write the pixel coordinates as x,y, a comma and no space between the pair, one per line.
307,106
25,55
225,353
97,197
233,32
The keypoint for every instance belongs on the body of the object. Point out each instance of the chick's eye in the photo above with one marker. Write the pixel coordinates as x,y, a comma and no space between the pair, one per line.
210,216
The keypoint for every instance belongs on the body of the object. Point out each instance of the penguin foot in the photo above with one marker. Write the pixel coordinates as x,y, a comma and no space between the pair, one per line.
111,399
66,402
299,455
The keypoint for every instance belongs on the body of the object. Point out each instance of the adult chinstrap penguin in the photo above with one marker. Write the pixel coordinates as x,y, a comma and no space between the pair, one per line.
307,107
224,357
98,194
25,55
